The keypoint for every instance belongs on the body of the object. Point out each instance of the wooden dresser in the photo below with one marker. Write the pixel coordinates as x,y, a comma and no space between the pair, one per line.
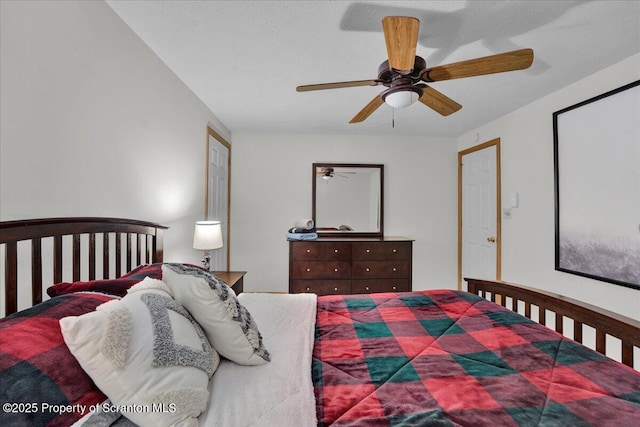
350,266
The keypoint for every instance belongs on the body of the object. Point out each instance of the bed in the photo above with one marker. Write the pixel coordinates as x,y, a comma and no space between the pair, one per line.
437,357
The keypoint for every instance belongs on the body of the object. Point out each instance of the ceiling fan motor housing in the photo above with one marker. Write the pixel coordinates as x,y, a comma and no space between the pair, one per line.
387,74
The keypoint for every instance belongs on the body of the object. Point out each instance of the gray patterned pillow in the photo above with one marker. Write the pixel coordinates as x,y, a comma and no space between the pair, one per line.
228,325
145,352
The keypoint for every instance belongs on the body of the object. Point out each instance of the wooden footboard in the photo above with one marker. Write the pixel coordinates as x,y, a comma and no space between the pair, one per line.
604,322
85,245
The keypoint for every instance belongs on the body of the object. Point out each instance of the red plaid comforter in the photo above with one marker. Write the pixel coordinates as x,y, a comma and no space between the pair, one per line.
41,383
454,359
39,377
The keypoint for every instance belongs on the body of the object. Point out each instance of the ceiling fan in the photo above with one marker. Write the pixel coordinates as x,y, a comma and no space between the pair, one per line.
404,73
327,173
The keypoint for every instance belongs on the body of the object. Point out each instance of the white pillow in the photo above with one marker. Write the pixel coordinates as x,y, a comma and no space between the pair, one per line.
147,354
228,325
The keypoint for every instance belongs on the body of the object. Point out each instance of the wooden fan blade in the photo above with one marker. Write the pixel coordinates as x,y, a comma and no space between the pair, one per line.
508,61
401,37
336,85
367,110
438,101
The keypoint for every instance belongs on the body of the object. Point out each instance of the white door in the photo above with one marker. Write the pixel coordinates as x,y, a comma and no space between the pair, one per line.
480,221
218,197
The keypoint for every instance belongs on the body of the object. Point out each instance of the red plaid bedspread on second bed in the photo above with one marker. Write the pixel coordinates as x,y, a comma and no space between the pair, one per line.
452,358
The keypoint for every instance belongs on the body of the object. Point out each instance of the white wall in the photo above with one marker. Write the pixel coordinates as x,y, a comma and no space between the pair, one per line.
94,124
528,245
271,188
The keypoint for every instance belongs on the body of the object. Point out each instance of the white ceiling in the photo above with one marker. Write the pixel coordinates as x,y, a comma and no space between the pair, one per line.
244,59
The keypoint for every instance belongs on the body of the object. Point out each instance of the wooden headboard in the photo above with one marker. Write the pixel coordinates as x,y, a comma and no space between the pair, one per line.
604,322
79,248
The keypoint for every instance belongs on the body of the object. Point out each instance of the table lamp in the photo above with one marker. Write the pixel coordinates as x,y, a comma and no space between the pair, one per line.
207,236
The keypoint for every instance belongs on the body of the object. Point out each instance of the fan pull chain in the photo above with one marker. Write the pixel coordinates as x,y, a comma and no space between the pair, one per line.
393,118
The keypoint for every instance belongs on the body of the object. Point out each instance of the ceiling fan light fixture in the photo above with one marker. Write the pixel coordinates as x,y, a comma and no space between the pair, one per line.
401,97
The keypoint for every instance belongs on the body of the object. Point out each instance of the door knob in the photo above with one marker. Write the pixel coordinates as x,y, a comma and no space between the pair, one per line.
491,239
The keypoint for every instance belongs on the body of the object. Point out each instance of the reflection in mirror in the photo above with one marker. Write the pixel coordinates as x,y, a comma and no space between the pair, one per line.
348,198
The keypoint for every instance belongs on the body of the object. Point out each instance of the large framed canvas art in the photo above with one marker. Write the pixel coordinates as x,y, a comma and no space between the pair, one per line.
597,187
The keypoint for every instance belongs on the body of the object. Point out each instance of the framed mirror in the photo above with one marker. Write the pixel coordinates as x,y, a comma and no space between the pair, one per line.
348,200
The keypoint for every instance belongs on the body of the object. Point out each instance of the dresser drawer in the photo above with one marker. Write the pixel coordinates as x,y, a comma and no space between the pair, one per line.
381,250
321,251
369,286
380,269
305,250
321,287
321,270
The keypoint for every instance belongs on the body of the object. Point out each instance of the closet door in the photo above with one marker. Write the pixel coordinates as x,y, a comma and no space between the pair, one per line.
218,173
480,221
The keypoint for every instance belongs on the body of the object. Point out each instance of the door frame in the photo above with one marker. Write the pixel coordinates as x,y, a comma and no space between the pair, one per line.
494,142
223,141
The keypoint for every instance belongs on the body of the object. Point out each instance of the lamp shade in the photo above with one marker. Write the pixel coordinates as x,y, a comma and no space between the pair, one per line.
207,235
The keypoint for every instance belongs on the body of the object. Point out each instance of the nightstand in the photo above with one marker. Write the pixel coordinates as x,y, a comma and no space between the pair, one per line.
232,278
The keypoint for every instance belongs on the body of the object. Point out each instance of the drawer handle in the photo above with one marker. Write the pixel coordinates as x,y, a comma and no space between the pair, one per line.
308,250
368,250
367,269
308,289
308,269
394,288
394,251
335,269
335,250
335,289
395,269
366,288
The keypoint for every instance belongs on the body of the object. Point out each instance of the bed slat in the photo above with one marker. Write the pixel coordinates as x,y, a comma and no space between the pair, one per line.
36,269
76,257
577,331
128,251
11,277
92,256
559,324
57,259
601,341
138,251
627,354
105,255
118,253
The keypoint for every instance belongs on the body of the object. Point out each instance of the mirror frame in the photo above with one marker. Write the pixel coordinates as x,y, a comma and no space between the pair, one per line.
348,234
